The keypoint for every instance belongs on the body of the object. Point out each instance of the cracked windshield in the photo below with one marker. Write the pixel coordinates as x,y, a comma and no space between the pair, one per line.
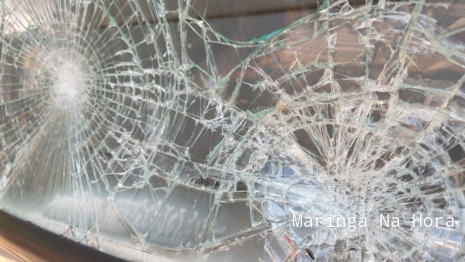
196,130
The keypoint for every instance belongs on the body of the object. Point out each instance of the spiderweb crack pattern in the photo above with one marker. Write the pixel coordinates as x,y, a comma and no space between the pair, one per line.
146,130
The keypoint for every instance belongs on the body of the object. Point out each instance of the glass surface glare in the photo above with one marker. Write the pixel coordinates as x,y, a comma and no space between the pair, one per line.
201,130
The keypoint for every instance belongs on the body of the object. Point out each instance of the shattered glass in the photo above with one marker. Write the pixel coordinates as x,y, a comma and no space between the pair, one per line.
170,131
